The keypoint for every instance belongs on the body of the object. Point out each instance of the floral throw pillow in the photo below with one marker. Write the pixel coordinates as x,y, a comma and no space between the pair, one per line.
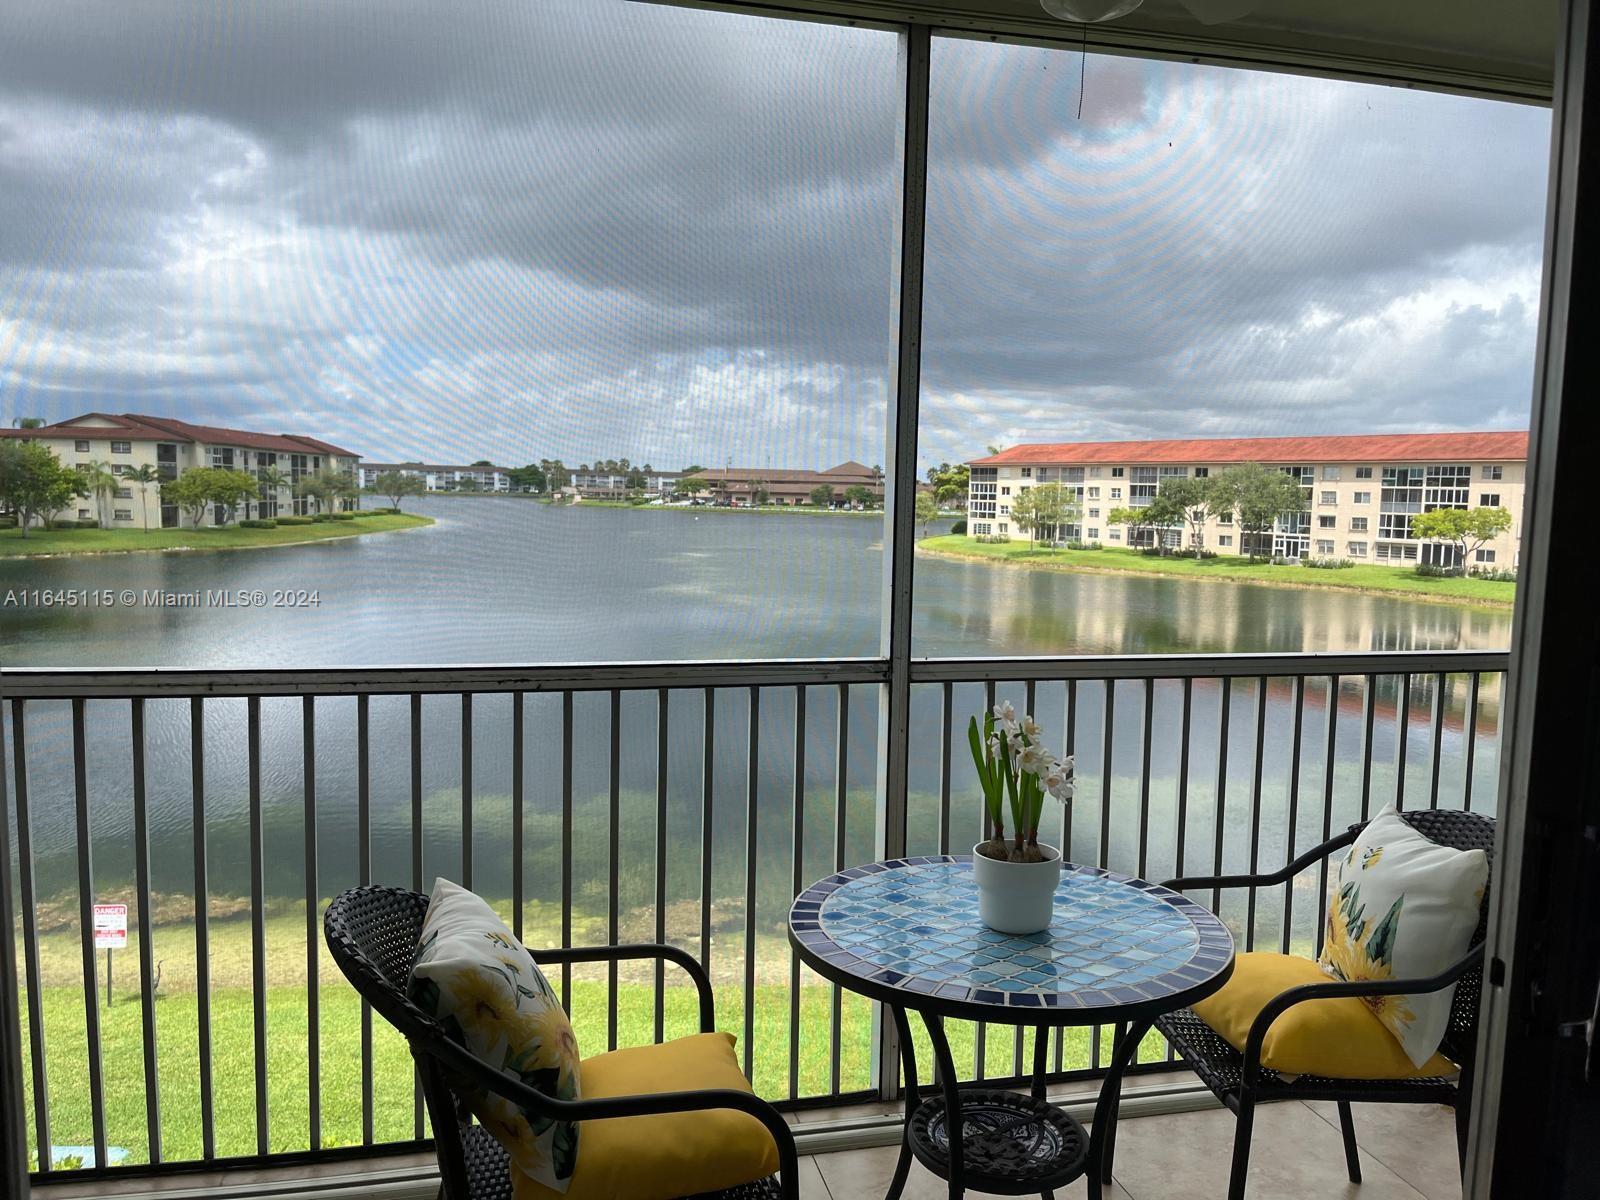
1404,907
484,988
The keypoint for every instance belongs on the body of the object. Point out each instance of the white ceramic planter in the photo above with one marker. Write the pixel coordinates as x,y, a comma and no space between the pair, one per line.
1016,897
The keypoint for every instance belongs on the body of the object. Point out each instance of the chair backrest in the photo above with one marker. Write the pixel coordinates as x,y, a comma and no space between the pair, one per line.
372,933
1461,831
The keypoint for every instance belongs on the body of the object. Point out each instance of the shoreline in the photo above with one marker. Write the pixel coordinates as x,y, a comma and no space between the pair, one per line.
1075,568
412,522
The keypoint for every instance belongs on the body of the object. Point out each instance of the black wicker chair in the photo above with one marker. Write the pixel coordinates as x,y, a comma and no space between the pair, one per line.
1241,1082
372,933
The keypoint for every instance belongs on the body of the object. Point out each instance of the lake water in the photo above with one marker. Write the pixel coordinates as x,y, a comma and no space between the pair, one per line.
497,581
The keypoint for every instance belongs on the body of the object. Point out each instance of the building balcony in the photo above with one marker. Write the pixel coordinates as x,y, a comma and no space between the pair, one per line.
676,802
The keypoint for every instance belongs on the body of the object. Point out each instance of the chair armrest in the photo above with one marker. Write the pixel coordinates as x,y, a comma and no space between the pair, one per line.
612,954
1334,990
1315,854
458,1058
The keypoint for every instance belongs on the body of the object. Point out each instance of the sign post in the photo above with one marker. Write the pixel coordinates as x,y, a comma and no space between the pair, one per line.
110,933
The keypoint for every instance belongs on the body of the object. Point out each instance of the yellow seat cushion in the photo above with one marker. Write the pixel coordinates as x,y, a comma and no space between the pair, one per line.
669,1155
1340,1038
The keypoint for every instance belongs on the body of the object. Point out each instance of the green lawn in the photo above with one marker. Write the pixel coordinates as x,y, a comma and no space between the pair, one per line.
108,541
1227,568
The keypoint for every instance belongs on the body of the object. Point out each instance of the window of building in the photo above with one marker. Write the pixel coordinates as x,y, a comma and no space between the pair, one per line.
124,493
1225,518
84,514
1005,508
1397,550
1330,498
1094,512
1093,533
1116,534
1202,472
1094,472
1394,525
1116,493
1094,493
1224,539
1491,472
1330,473
1489,500
1004,528
122,447
1116,472
222,456
1027,472
1485,556
1324,547
1327,522
122,514
1447,486
1356,549
80,447
1358,524
1363,472
1363,498
1005,491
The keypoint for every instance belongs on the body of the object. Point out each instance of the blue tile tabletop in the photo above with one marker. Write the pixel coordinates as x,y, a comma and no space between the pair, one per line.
911,926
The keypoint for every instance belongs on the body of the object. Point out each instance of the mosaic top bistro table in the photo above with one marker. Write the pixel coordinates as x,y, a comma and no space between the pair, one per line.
1120,951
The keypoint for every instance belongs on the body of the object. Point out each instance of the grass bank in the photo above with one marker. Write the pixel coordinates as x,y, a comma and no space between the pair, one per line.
1228,569
231,537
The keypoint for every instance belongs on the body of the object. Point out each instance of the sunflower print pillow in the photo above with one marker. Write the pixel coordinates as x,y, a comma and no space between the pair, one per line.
483,987
1403,907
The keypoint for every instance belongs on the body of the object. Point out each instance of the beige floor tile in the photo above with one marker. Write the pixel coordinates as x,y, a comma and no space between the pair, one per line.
1415,1141
1295,1155
865,1175
811,1185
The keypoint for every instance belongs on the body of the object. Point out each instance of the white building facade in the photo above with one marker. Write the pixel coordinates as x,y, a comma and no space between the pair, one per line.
440,477
1362,492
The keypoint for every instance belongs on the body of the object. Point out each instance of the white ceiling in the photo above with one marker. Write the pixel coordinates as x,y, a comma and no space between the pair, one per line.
1496,47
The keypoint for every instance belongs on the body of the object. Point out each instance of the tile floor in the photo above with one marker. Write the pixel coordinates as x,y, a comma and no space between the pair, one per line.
1408,1152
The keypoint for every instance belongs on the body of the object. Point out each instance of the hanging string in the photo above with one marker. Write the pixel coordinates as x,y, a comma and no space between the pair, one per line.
1083,61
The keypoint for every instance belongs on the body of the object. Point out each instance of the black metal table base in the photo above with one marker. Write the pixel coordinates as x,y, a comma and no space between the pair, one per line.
1008,1143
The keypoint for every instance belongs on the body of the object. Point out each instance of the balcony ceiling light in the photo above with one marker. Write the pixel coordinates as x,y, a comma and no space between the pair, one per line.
1089,12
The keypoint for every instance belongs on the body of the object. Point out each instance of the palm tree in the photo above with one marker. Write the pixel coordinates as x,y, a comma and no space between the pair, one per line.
269,481
144,477
101,481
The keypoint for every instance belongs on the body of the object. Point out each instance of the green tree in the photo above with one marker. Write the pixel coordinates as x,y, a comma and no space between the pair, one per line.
1465,528
324,488
927,510
822,495
1255,496
694,470
33,483
1053,507
483,462
1025,512
269,482
28,423
759,493
191,492
691,485
144,477
101,481
556,476
229,489
635,479
396,485
858,495
1192,497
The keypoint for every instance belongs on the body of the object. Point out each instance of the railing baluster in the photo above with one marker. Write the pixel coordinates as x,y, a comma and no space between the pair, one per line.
202,924
1329,756
466,790
946,700
613,865
841,785
417,1126
663,704
1071,743
313,990
797,881
1471,731
1369,705
1402,727
517,802
1255,809
364,877
1180,850
1438,738
1029,697
752,799
566,845
1223,716
707,804
30,940
91,998
1108,725
258,921
141,871
1146,739
980,1048
1291,837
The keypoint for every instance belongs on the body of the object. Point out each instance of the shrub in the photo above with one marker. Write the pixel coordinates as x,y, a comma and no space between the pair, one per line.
1435,571
343,516
259,523
385,511
8,522
295,520
321,518
88,523
1326,564
1493,574
1193,553
995,538
959,527
74,523
1077,545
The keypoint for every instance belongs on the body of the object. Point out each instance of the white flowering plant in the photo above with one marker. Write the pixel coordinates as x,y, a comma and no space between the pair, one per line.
1016,772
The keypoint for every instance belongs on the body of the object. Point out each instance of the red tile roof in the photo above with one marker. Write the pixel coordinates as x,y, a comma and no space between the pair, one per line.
1508,446
135,428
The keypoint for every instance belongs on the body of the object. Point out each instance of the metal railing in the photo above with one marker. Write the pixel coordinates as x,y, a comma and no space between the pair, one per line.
681,802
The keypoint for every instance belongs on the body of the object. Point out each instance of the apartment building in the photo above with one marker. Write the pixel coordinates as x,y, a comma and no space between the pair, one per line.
600,484
1361,492
441,477
127,442
738,485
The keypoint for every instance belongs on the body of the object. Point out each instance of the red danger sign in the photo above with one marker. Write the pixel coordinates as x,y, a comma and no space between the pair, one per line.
110,926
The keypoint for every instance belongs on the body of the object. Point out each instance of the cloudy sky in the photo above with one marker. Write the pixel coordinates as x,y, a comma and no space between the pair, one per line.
591,228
